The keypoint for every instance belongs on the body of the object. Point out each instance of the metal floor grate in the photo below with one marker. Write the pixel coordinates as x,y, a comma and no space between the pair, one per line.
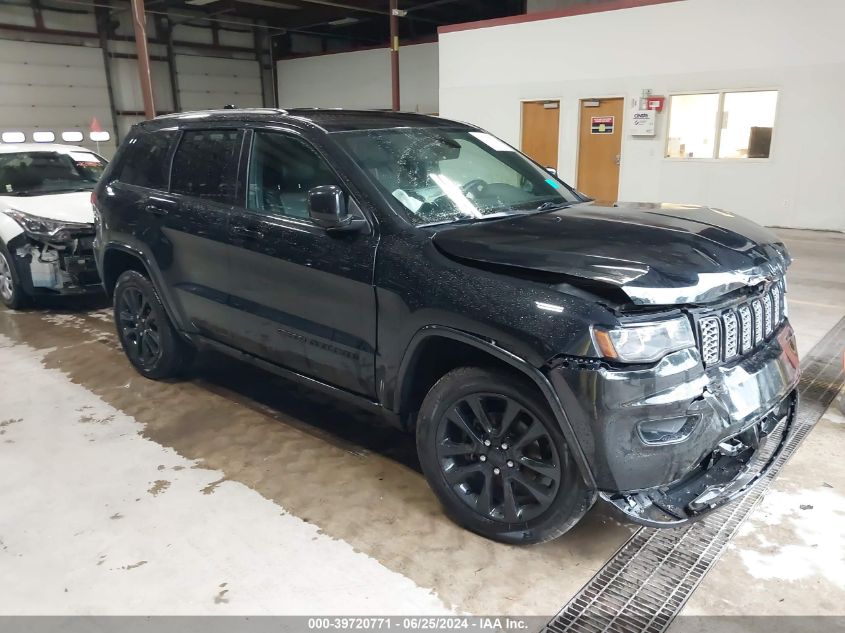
647,582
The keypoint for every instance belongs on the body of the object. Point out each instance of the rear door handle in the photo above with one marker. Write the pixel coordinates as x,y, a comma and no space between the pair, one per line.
159,206
242,231
155,209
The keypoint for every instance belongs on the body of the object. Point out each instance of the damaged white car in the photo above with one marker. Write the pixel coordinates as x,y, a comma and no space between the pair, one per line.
47,221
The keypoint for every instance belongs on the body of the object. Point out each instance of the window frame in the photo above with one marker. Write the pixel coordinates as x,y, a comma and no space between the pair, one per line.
720,117
352,204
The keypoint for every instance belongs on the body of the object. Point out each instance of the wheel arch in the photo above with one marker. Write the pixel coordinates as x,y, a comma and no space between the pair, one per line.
417,373
117,259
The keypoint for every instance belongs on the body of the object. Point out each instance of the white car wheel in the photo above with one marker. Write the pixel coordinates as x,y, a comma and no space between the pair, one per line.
7,284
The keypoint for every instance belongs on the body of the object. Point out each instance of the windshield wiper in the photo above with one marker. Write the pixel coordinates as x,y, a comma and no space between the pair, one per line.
548,206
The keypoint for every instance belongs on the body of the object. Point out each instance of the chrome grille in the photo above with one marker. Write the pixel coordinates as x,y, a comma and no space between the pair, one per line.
745,324
709,328
757,307
770,315
736,331
731,338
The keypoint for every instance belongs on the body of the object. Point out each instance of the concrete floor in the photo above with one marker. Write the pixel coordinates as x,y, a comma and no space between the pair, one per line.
238,493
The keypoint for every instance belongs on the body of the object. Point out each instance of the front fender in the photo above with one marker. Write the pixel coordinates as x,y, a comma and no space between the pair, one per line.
9,228
503,355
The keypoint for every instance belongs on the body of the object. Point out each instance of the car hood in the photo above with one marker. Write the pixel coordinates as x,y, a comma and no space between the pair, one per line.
65,207
660,254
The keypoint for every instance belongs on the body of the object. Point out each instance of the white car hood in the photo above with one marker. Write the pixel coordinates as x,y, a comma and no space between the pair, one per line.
64,207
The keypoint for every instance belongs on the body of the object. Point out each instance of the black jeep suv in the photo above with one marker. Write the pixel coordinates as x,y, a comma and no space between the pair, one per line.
547,349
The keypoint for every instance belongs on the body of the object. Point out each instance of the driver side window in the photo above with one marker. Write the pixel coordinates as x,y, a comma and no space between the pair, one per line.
282,170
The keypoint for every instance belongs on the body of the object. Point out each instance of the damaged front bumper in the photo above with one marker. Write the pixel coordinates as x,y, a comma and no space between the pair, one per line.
56,268
730,471
669,443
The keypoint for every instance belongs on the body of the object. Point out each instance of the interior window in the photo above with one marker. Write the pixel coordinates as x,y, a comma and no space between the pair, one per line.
145,162
206,164
282,171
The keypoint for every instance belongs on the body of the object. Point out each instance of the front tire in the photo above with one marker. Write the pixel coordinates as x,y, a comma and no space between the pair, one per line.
150,341
496,458
11,292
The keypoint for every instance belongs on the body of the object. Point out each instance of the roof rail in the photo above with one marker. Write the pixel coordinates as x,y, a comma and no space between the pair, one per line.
176,115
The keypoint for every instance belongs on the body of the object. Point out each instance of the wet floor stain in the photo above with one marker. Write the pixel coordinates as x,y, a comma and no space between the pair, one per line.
342,470
210,488
159,486
6,423
221,598
134,565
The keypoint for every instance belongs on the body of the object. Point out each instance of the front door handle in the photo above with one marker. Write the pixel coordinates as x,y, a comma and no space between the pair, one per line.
242,231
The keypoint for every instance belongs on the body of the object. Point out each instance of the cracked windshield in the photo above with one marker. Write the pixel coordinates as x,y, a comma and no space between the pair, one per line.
444,175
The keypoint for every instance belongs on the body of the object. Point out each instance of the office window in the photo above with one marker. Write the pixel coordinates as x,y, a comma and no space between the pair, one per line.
721,124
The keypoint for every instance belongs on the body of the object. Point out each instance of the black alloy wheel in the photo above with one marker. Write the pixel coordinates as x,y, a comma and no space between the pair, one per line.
150,341
139,327
495,456
498,458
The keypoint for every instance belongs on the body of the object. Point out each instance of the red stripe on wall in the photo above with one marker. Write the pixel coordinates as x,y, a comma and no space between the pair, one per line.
614,5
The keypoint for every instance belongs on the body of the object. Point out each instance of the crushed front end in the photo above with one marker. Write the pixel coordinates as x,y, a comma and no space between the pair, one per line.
671,440
60,263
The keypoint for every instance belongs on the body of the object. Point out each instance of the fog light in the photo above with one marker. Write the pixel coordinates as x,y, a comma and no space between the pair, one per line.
667,430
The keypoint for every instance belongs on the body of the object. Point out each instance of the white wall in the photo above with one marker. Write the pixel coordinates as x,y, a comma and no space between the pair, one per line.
694,45
361,79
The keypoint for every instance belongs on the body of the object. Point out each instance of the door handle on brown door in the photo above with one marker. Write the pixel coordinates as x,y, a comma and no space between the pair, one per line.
242,231
618,159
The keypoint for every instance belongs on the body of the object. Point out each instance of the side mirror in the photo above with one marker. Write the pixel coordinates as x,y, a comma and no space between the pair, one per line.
552,171
327,207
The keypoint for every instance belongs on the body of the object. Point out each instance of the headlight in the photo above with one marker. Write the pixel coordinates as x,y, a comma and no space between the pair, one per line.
644,342
45,228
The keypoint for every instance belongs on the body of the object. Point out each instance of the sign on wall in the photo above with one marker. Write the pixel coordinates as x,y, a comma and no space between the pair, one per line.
642,122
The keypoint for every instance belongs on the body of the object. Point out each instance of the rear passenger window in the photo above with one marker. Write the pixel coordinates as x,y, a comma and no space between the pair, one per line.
145,162
206,164
282,170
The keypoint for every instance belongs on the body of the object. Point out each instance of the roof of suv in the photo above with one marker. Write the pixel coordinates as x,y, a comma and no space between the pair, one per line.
330,120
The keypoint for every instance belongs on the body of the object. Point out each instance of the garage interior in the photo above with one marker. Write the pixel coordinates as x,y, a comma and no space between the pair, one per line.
236,492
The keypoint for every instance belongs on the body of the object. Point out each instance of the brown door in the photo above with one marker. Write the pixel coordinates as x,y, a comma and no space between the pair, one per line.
540,131
600,147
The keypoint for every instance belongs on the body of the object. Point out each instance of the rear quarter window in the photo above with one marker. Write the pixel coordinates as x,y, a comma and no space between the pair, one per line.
206,164
145,161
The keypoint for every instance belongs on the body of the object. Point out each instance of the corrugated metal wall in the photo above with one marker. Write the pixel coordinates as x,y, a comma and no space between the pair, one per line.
51,79
52,87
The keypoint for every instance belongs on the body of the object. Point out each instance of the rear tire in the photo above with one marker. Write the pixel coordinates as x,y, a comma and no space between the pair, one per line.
496,458
150,341
11,292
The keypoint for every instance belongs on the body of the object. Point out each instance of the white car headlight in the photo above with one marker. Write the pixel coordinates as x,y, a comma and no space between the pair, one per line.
644,342
45,228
